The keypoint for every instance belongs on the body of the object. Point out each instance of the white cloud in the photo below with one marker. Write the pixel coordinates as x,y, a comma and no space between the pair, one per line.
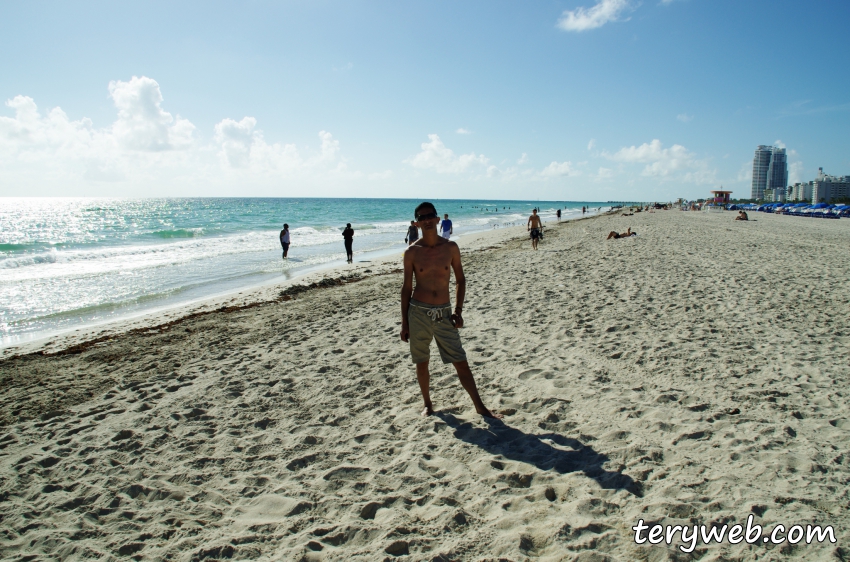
685,118
463,131
522,159
142,123
591,144
556,169
436,156
779,144
583,19
604,173
664,162
236,139
149,149
745,174
795,172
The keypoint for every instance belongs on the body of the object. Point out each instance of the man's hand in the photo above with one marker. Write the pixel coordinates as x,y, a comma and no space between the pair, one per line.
457,320
405,333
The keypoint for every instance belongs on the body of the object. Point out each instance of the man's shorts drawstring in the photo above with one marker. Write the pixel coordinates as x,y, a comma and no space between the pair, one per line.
434,313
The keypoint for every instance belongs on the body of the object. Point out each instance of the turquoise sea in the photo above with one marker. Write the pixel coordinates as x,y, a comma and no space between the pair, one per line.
72,262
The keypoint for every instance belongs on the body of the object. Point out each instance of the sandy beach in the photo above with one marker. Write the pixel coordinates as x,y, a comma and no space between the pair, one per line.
694,374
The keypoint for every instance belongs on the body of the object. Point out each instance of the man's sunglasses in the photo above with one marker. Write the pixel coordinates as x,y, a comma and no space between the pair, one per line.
428,216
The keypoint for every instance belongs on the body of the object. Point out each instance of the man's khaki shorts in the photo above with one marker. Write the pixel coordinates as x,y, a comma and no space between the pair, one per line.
430,321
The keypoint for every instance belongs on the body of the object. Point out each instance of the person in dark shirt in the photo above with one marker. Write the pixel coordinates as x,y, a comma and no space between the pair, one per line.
412,233
348,236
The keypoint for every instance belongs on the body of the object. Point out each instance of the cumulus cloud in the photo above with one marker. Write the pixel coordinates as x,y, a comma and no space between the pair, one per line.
142,123
604,173
242,146
795,172
591,144
147,145
438,157
236,139
522,159
685,118
583,19
556,169
463,131
676,161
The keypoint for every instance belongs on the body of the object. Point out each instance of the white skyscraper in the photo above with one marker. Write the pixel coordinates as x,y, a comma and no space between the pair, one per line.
770,170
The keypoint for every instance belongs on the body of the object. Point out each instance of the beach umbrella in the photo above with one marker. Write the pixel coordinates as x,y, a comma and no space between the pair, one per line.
820,206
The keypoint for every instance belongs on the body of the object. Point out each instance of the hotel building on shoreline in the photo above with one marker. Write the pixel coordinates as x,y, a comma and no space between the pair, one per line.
770,172
824,188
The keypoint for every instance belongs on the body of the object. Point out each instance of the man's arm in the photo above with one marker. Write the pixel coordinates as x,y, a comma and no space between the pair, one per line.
460,281
406,292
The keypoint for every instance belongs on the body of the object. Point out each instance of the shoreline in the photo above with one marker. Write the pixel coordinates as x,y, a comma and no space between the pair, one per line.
136,322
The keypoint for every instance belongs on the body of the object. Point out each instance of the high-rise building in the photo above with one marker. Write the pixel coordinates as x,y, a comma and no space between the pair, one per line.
777,172
761,162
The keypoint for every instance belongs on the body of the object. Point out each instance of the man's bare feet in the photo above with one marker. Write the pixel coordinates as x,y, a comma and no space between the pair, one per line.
488,414
428,411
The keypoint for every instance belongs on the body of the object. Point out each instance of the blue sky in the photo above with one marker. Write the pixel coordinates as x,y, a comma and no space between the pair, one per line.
561,100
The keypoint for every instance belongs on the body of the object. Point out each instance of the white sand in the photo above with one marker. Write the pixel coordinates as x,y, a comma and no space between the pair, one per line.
696,373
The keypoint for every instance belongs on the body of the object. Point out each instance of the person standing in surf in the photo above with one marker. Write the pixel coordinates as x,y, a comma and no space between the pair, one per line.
426,310
348,237
412,233
285,240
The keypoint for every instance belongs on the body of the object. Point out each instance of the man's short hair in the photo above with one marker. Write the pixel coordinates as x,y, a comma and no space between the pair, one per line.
423,205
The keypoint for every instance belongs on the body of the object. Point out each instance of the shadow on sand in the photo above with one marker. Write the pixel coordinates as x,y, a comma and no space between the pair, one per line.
511,443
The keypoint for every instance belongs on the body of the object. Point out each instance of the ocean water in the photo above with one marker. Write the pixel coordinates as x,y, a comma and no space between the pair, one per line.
72,262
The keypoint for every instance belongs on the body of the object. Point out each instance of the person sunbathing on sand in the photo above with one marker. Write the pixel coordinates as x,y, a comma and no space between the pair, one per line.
742,216
426,311
626,234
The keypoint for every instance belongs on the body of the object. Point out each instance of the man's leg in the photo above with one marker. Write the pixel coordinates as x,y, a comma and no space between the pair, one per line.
464,373
424,378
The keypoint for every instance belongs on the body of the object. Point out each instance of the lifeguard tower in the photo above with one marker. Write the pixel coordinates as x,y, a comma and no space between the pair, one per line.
718,200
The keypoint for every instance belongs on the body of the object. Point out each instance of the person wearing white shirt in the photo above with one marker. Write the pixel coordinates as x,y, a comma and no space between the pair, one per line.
285,240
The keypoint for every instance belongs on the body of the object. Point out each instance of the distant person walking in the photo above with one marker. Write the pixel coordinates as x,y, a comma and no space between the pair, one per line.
558,213
412,233
348,237
534,226
446,226
285,240
583,210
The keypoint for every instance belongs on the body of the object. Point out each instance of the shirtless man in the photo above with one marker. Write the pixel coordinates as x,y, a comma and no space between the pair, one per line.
534,225
426,311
